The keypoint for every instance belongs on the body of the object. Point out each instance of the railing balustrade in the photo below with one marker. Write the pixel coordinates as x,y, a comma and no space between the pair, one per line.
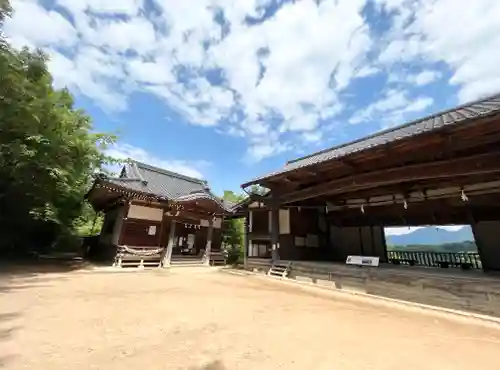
464,260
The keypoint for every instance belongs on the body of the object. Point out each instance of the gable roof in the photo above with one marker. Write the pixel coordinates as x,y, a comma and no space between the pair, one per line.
144,178
459,115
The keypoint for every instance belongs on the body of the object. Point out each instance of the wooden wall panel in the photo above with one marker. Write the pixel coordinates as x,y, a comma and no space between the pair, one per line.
487,240
379,246
284,217
366,241
145,213
351,242
260,221
135,233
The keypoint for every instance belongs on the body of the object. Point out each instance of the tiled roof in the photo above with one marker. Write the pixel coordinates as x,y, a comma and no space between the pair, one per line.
461,114
144,178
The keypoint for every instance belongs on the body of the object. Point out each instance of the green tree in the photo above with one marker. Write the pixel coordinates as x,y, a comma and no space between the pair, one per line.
48,152
232,237
258,190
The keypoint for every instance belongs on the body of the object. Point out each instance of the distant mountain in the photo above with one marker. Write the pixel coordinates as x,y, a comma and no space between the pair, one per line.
431,236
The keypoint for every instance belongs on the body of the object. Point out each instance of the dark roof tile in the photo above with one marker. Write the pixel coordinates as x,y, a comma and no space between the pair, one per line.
487,106
144,178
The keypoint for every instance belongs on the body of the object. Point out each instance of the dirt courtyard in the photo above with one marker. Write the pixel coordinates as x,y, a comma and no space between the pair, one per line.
208,319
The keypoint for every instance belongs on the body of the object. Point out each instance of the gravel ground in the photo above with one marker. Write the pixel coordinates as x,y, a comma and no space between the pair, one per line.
201,318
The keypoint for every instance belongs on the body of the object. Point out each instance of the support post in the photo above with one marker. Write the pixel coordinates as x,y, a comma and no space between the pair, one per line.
245,240
208,247
275,233
168,254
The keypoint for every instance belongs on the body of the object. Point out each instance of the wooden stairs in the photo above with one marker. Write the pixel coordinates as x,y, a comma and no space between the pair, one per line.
179,260
217,259
132,261
279,269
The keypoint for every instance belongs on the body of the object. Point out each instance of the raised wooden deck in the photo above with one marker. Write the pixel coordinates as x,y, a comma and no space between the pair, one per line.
472,290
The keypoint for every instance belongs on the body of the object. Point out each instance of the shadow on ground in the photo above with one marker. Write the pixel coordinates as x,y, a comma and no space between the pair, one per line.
7,329
18,275
47,265
214,365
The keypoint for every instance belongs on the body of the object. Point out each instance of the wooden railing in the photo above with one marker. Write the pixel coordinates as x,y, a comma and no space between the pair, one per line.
464,260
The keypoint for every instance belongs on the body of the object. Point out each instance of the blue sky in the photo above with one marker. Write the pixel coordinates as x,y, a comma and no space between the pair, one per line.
230,89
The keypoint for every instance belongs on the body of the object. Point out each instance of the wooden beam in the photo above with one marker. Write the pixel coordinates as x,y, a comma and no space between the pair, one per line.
450,216
477,164
208,246
187,215
421,186
245,241
275,233
168,253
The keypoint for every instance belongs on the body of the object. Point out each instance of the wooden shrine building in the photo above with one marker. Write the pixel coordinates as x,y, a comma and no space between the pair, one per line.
439,170
154,217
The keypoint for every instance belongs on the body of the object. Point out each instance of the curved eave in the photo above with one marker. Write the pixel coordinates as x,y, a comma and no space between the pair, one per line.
104,192
197,197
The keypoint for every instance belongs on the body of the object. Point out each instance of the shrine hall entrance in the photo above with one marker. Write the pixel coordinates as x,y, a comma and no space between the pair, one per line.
189,241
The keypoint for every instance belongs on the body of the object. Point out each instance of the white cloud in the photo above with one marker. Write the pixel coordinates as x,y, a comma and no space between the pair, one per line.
282,75
400,230
424,77
391,108
127,7
280,80
135,34
34,26
469,44
86,73
418,105
188,168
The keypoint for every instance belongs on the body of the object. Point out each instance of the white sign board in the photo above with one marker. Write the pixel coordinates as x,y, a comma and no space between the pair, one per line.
190,240
362,261
145,213
152,230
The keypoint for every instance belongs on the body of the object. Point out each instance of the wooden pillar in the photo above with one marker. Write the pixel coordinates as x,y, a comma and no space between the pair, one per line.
171,237
245,240
275,233
208,247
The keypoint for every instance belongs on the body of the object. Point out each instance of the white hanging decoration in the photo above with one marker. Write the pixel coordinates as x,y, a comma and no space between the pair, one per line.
298,209
465,198
405,204
363,208
326,209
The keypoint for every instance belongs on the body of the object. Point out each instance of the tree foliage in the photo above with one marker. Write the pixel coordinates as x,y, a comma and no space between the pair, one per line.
455,247
232,237
258,190
48,152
